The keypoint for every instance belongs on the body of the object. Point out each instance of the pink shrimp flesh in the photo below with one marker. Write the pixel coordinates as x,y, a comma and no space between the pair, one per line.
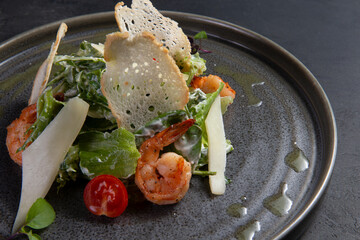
163,180
211,83
17,132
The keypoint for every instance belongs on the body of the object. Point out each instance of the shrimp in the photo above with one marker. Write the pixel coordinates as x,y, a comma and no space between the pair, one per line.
163,180
17,132
209,84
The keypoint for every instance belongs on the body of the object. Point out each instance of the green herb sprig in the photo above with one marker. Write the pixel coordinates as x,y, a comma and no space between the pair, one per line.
200,35
40,215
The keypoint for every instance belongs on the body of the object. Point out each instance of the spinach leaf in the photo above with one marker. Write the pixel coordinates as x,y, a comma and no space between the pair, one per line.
112,153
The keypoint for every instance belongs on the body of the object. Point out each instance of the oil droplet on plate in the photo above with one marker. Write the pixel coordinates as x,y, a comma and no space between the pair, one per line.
248,231
236,210
279,204
297,160
246,81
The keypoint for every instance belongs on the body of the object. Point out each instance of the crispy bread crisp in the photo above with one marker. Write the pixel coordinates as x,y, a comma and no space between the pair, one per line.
143,16
141,79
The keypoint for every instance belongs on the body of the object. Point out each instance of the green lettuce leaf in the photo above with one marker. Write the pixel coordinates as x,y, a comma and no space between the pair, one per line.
197,67
225,102
108,153
198,106
69,168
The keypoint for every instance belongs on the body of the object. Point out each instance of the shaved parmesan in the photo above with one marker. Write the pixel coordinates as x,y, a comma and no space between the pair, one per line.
217,147
141,79
43,74
42,159
144,17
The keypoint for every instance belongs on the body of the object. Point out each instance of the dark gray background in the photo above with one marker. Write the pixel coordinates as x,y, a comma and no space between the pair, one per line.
324,35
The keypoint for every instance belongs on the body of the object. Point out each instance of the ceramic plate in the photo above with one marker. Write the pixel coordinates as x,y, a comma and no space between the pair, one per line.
281,125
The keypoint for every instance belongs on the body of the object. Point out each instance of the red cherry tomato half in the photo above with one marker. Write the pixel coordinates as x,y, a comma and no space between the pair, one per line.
106,195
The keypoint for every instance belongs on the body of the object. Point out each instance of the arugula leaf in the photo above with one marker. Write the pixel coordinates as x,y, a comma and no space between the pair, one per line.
47,108
80,75
108,153
201,35
40,215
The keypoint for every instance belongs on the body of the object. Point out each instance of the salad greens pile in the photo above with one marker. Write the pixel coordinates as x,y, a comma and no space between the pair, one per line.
103,148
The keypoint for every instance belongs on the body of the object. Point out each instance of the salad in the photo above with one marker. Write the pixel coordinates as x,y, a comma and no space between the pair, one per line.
136,110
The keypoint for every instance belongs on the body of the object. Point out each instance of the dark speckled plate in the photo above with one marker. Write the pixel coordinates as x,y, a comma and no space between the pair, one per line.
280,108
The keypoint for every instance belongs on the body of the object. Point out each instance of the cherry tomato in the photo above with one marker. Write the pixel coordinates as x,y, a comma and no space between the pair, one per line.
106,195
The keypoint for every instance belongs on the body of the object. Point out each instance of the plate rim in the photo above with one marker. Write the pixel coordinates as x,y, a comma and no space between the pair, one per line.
260,39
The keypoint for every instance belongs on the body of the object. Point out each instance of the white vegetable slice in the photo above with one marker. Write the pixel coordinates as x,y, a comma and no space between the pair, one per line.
43,74
217,147
99,47
41,160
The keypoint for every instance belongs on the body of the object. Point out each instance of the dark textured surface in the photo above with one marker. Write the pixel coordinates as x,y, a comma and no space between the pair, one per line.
322,34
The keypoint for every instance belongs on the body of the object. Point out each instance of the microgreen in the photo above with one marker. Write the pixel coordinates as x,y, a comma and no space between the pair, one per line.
194,47
40,215
201,35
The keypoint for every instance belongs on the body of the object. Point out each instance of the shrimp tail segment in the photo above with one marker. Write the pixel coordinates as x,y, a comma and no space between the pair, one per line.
168,136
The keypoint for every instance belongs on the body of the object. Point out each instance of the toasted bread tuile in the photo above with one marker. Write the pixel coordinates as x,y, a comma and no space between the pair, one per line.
141,79
43,74
143,16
